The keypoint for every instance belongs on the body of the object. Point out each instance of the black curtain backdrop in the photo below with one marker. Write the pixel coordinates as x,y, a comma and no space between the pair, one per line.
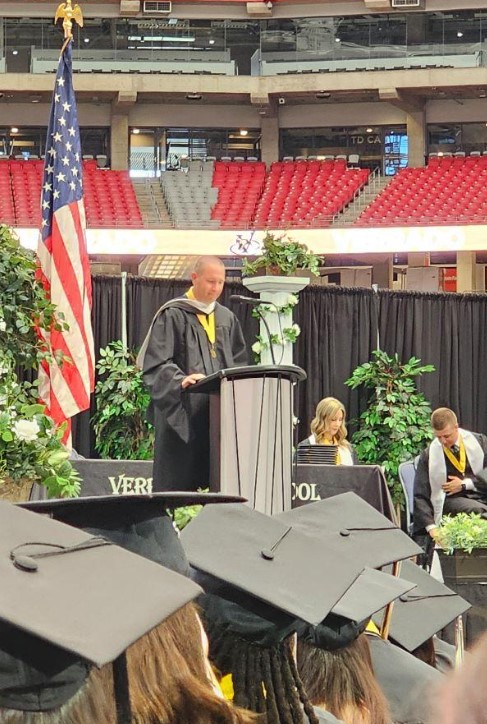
448,331
339,329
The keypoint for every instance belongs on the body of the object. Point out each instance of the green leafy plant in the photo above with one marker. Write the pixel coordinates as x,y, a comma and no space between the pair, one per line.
183,516
25,308
31,449
464,532
121,429
30,445
396,424
282,255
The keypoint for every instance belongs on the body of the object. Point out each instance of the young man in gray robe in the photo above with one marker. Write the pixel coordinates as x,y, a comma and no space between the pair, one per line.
190,337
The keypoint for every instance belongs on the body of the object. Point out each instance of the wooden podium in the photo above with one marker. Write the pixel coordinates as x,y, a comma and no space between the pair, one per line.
251,426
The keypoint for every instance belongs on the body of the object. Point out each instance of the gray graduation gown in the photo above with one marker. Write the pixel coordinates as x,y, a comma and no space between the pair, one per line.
178,346
406,681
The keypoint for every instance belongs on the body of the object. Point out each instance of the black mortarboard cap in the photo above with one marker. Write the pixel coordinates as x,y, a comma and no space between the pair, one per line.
252,557
368,536
69,598
424,611
139,523
368,594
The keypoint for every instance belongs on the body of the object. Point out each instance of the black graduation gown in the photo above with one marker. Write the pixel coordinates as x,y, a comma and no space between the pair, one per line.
406,681
178,346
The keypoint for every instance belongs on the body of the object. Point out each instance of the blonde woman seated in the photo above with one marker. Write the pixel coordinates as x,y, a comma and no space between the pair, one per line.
328,428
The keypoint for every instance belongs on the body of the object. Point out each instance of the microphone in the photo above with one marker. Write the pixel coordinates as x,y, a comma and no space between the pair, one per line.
245,300
257,302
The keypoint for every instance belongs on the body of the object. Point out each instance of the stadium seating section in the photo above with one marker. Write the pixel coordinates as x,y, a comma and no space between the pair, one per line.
449,190
109,195
242,194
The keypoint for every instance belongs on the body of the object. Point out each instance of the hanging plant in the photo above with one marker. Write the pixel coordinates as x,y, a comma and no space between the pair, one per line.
282,255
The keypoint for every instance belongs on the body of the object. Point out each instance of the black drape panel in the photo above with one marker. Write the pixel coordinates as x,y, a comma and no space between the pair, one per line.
106,320
448,331
338,333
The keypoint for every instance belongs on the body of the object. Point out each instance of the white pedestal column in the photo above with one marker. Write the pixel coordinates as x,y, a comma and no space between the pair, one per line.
275,290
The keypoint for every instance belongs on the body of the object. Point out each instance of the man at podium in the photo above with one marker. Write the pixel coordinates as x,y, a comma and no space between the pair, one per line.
190,337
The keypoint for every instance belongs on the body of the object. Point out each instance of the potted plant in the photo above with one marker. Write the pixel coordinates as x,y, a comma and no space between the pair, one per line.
121,429
396,424
463,548
282,256
30,446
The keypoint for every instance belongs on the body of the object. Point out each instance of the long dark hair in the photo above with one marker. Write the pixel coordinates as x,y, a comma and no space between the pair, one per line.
265,678
343,682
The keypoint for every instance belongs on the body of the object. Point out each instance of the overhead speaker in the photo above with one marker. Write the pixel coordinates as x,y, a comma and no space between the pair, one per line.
377,4
129,7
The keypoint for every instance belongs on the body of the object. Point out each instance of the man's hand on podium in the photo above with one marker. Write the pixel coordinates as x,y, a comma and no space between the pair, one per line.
191,379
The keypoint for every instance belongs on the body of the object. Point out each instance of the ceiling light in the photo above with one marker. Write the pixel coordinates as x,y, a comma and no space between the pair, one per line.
337,40
244,132
193,96
482,94
136,130
323,94
459,34
35,100
14,129
87,40
440,153
15,52
369,130
211,41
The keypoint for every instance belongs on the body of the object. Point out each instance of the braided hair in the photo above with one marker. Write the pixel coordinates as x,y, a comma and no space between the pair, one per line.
265,677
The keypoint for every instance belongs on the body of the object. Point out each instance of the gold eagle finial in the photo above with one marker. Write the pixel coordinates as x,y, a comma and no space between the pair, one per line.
69,14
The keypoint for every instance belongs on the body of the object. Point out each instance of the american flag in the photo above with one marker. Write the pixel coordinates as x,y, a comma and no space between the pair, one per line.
63,257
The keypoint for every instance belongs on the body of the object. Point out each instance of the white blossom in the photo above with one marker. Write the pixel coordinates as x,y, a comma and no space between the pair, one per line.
297,329
3,325
257,348
27,430
292,300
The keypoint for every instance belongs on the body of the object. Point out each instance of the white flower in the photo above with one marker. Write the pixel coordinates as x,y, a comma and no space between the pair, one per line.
292,300
297,329
257,348
3,325
26,429
3,399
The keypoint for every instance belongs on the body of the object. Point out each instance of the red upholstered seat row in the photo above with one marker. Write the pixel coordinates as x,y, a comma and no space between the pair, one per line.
307,193
240,185
447,191
109,195
299,193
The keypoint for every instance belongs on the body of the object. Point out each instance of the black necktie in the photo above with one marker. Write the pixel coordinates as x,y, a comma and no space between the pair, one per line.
455,449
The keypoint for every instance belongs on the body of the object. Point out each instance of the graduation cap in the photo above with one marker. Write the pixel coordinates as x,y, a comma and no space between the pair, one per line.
371,591
367,535
69,600
139,523
423,611
268,565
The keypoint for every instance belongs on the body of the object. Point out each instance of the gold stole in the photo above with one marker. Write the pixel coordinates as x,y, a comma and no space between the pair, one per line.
459,463
207,321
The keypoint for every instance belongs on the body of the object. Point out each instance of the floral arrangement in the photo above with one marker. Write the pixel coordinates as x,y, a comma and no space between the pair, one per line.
30,445
464,532
282,255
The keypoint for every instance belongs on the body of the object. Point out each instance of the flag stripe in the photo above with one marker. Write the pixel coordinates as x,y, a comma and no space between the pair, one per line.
64,264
